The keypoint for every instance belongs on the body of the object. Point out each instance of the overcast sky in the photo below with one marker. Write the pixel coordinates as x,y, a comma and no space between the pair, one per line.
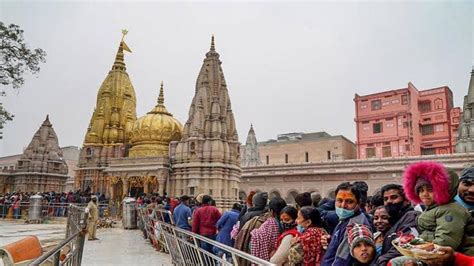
290,67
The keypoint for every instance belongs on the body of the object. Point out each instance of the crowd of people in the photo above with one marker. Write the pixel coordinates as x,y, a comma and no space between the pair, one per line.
55,203
348,227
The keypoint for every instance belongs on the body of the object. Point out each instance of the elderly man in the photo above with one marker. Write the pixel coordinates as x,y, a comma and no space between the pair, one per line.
93,218
465,195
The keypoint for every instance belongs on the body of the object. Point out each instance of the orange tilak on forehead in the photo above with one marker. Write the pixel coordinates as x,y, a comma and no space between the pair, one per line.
344,195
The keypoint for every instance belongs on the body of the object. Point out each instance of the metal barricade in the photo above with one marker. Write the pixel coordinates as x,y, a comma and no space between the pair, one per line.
185,247
69,251
148,218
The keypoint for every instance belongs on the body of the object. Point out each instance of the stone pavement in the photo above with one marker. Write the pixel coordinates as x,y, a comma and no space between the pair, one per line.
117,246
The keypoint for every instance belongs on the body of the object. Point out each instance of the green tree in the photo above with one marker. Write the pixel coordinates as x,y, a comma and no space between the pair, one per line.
16,58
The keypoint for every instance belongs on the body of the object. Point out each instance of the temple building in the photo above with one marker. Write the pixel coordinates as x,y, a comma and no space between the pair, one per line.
250,153
295,148
41,167
406,122
122,155
207,159
465,140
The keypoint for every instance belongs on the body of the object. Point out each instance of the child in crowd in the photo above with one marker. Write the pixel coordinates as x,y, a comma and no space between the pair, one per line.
361,244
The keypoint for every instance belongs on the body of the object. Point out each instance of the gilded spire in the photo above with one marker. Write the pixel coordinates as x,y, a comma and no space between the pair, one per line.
160,106
161,97
119,63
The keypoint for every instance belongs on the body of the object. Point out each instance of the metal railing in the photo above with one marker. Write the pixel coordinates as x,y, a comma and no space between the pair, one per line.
187,248
147,218
48,210
69,251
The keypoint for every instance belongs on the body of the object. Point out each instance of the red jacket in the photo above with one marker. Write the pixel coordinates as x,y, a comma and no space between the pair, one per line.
205,219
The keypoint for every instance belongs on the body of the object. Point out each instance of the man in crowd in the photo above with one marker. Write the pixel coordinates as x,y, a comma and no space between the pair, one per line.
182,213
93,218
465,195
402,218
204,221
348,198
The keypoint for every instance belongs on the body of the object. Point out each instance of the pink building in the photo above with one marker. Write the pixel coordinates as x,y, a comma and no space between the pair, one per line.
406,122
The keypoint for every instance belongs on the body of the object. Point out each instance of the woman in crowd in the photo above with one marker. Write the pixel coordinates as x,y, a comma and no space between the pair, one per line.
288,223
307,247
381,222
262,241
224,226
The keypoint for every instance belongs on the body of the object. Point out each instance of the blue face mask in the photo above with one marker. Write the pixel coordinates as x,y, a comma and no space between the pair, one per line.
343,213
300,228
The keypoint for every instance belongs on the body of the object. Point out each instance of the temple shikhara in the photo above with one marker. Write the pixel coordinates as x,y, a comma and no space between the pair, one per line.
465,142
41,167
123,155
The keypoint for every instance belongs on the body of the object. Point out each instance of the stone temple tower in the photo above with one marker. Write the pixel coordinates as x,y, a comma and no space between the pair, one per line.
108,132
465,141
41,167
207,159
250,154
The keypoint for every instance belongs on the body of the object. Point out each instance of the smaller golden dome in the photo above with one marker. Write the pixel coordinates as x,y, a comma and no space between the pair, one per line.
152,133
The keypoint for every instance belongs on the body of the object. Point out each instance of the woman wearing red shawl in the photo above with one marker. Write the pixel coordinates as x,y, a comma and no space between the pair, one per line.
282,248
307,248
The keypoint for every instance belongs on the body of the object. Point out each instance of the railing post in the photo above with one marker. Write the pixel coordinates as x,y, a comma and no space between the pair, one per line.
56,259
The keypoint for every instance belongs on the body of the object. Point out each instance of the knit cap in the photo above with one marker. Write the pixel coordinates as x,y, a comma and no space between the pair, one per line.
467,174
421,181
357,233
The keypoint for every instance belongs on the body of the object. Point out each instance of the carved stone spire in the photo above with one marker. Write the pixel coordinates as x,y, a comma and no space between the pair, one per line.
250,153
209,137
43,148
465,142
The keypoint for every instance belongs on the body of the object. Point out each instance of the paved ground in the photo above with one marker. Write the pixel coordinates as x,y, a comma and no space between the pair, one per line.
122,247
115,246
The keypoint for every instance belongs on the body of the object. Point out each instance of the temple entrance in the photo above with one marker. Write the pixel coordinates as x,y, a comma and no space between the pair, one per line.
136,191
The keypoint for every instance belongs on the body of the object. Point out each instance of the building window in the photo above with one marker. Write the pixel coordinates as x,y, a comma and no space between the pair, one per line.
438,103
329,155
370,152
191,190
210,192
405,99
306,156
286,158
376,104
405,124
427,130
387,151
428,151
89,152
424,106
407,147
377,128
268,159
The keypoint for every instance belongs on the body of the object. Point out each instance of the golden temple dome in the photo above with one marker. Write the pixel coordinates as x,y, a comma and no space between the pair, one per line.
152,133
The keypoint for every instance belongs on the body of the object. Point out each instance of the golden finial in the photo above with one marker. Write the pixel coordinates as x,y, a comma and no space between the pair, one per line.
124,32
161,97
213,48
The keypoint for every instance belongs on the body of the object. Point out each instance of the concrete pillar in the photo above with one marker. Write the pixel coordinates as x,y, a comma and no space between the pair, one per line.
125,187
